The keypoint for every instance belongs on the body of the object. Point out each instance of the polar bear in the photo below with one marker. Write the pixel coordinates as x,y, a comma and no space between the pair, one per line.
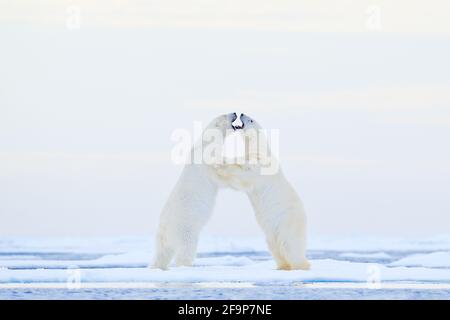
278,209
191,203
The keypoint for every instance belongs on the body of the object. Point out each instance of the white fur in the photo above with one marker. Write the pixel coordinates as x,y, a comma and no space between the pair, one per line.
278,209
188,208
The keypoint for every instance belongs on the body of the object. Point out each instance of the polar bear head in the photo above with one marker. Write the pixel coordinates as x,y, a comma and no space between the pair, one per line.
257,147
209,148
223,123
254,137
249,123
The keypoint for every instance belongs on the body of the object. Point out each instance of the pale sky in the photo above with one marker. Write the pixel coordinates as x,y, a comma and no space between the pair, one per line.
360,91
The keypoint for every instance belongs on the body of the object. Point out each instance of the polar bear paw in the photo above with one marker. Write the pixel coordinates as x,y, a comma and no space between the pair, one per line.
303,265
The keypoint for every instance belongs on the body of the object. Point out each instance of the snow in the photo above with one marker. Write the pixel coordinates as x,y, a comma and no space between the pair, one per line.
224,262
374,255
433,260
325,270
128,260
357,243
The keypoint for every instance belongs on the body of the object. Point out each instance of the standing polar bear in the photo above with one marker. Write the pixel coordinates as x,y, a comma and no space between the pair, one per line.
278,209
191,202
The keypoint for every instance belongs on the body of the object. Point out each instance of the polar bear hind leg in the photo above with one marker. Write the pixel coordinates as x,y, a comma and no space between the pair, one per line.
293,251
186,251
164,253
293,255
292,243
282,264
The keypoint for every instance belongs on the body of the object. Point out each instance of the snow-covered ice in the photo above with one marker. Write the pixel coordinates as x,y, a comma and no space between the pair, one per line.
223,264
433,260
326,270
370,255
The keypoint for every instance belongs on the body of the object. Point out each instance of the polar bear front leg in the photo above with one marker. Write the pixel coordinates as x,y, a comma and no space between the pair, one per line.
237,176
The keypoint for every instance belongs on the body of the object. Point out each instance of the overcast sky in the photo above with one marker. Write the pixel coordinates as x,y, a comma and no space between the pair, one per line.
90,93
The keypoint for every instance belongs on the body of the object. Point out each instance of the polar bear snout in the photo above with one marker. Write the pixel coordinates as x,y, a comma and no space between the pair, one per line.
232,117
237,126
